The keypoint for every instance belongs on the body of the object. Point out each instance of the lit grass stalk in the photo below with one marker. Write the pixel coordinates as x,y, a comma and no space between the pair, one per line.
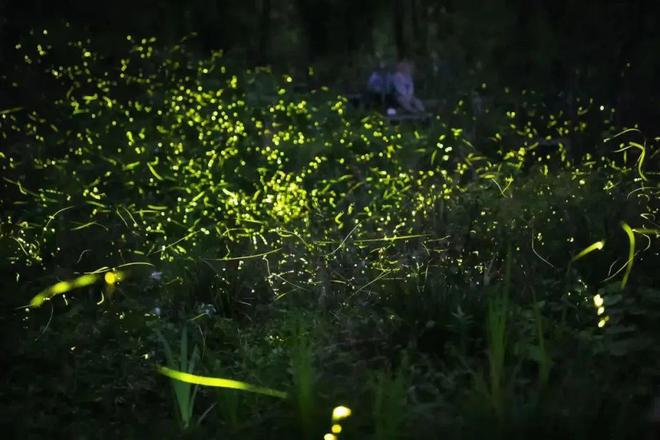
184,392
497,326
302,369
498,310
544,361
229,410
389,405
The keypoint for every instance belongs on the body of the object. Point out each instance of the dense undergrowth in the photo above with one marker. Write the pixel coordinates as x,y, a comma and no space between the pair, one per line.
490,274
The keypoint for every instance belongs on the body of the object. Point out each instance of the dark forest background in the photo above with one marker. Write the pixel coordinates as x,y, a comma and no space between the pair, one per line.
606,49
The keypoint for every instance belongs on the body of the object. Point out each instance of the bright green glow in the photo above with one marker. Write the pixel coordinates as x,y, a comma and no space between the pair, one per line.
603,321
640,160
246,257
113,277
10,110
62,287
598,301
153,171
642,148
596,246
340,412
220,383
396,238
631,253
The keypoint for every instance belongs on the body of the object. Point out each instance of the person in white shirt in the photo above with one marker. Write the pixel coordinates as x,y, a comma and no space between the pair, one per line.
404,89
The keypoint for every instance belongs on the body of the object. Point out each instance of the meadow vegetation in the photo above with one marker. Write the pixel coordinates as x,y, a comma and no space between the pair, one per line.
491,273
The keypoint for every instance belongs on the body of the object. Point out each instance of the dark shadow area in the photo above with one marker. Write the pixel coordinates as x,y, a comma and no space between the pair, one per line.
562,49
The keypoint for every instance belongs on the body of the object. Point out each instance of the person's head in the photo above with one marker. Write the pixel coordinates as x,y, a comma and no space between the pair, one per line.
405,67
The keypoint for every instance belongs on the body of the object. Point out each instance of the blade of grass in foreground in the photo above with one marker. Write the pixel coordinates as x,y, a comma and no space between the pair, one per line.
220,383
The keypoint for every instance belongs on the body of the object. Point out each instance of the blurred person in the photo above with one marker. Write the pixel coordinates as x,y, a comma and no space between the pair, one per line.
379,87
403,88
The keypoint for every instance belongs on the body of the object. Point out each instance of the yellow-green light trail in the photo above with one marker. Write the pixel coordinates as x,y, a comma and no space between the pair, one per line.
62,287
596,246
631,253
220,383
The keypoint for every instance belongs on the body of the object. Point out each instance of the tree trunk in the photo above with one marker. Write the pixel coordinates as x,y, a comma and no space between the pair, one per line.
263,49
314,18
418,26
399,29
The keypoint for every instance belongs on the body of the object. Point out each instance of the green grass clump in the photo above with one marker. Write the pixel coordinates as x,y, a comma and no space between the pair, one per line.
184,393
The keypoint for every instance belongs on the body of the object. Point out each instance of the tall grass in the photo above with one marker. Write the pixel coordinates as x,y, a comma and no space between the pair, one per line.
544,360
497,317
389,404
304,378
184,392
